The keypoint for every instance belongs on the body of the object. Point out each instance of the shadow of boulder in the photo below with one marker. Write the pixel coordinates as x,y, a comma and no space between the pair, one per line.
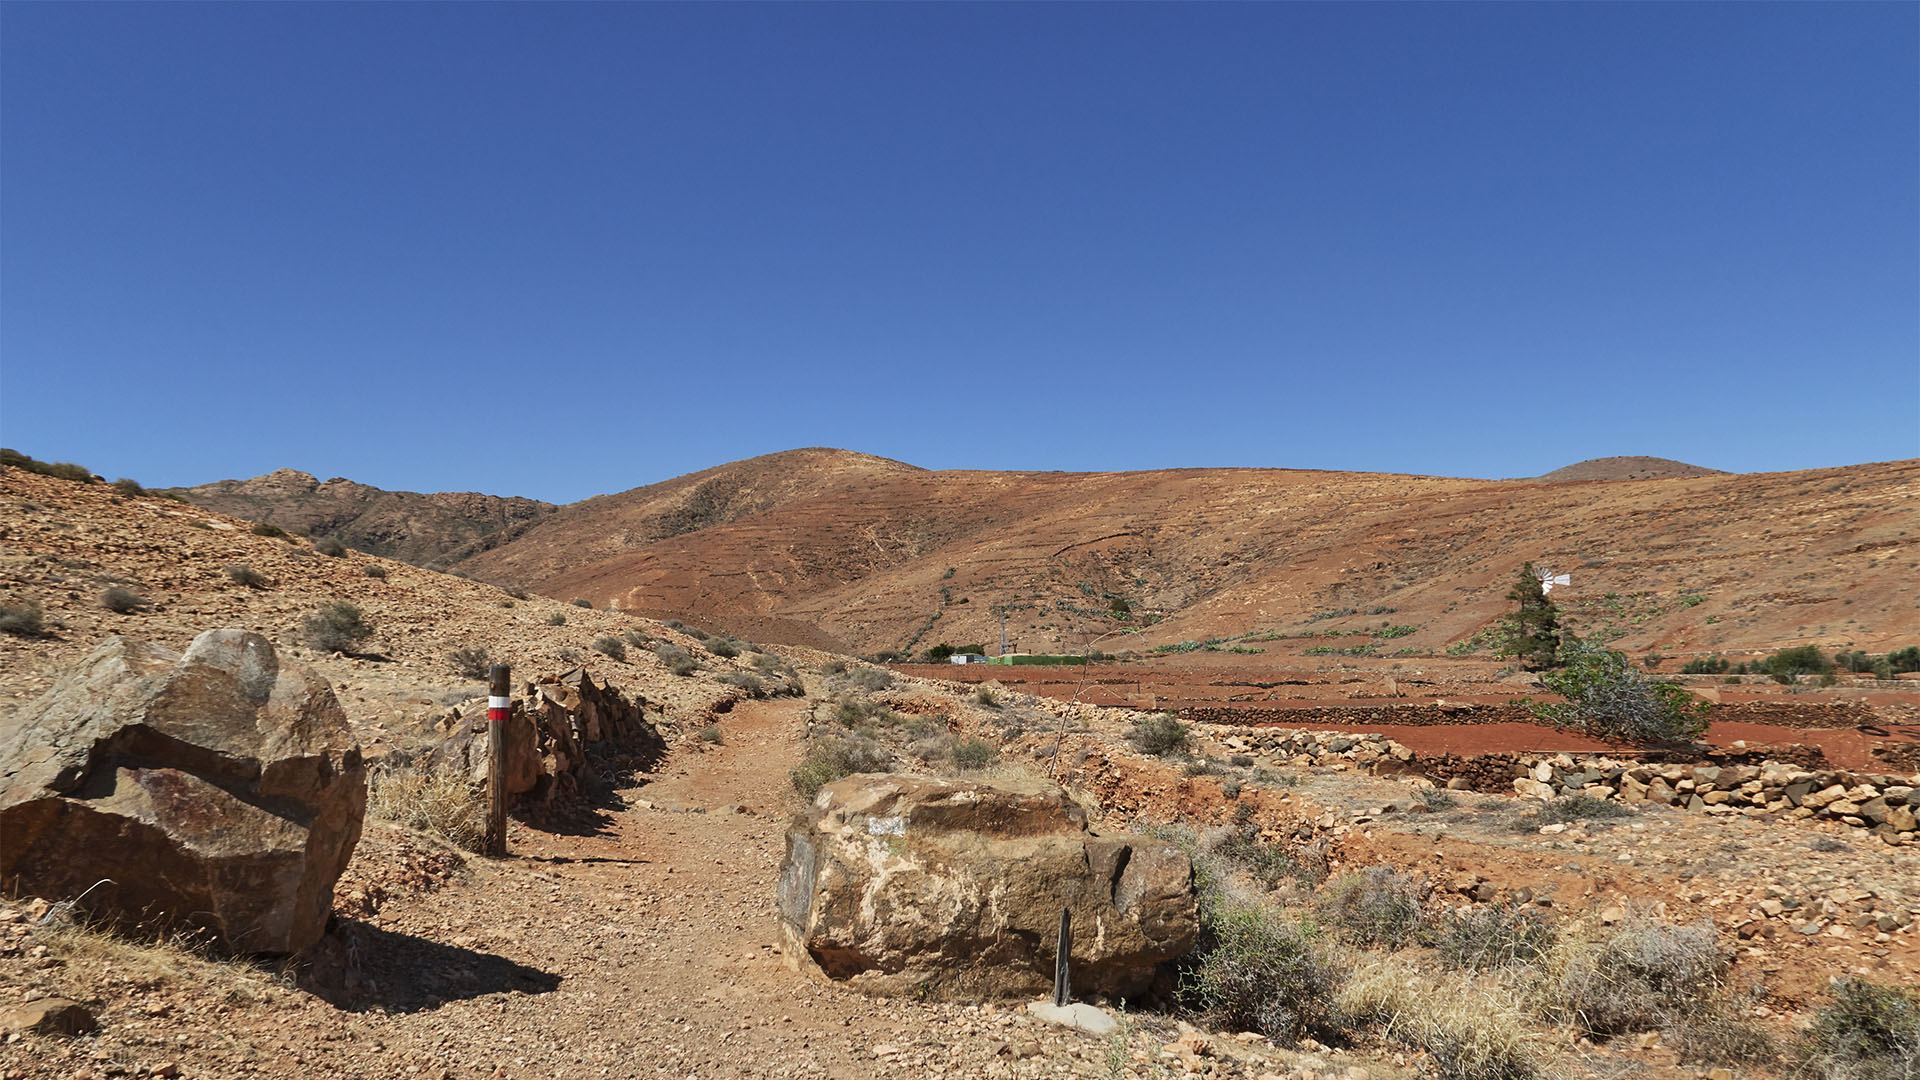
360,967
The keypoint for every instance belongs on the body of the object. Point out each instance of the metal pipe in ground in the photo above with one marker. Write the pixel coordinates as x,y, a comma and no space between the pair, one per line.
1063,949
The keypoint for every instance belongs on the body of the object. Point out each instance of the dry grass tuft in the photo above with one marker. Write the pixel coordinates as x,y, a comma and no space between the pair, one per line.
438,801
1639,975
1473,1029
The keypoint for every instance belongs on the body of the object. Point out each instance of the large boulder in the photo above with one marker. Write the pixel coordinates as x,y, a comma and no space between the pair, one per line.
908,884
220,791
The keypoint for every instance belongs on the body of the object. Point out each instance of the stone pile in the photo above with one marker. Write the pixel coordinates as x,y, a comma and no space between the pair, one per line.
555,720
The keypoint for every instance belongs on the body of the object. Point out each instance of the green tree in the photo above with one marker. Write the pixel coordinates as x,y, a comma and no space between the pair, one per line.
1533,633
1607,696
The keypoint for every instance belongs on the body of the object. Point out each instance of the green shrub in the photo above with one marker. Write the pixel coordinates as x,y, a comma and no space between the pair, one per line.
973,753
752,684
1492,936
610,647
242,574
678,660
1866,1032
336,627
374,570
471,662
832,757
331,546
1375,906
870,678
129,487
1401,630
60,470
1607,697
710,734
579,601
1640,975
1788,665
1160,735
558,618
122,601
262,528
1904,660
1261,971
22,620
1706,665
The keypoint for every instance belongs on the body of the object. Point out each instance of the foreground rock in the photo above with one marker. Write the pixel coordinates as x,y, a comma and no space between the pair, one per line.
905,884
218,792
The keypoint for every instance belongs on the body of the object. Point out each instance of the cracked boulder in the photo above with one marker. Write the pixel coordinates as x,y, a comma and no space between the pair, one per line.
216,793
914,885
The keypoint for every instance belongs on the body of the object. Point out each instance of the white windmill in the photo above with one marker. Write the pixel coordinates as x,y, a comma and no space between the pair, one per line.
1548,579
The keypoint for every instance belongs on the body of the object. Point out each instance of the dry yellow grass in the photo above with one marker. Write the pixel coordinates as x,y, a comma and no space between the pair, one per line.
1474,1028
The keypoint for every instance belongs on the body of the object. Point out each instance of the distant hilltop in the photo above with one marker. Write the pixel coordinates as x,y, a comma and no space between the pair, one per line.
1628,468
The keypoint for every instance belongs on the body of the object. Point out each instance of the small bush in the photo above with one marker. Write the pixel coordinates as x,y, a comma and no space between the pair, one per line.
22,620
516,593
439,801
129,487
638,640
1788,665
678,660
1640,975
557,619
579,601
1160,735
374,570
1866,1032
1376,906
973,754
336,627
986,698
722,646
710,734
1568,809
262,528
1706,665
122,601
610,647
1265,861
870,678
1493,936
471,662
331,546
242,574
1264,972
832,757
752,684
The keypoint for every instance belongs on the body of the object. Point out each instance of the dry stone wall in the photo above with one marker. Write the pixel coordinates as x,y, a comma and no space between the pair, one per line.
1738,782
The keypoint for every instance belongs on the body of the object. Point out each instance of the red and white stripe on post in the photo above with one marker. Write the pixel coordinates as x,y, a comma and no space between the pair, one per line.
499,707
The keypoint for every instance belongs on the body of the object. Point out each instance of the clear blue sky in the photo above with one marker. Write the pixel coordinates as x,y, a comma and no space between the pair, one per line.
557,250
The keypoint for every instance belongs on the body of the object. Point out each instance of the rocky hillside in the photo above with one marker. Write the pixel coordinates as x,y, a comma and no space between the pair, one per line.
884,556
418,528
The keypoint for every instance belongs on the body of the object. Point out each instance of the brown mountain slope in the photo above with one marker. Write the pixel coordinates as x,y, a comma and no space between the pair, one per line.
413,527
1627,468
901,558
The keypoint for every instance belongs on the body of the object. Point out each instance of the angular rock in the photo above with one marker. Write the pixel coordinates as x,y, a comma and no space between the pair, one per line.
905,884
218,792
48,1016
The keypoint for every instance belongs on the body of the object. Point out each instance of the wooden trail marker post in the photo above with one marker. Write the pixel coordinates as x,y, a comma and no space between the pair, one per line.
499,702
1061,951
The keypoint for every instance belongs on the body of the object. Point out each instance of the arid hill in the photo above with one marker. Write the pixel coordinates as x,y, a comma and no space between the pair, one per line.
881,555
1627,468
412,527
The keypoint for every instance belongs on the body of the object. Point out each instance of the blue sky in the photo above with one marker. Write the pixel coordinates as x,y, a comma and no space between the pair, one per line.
557,250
